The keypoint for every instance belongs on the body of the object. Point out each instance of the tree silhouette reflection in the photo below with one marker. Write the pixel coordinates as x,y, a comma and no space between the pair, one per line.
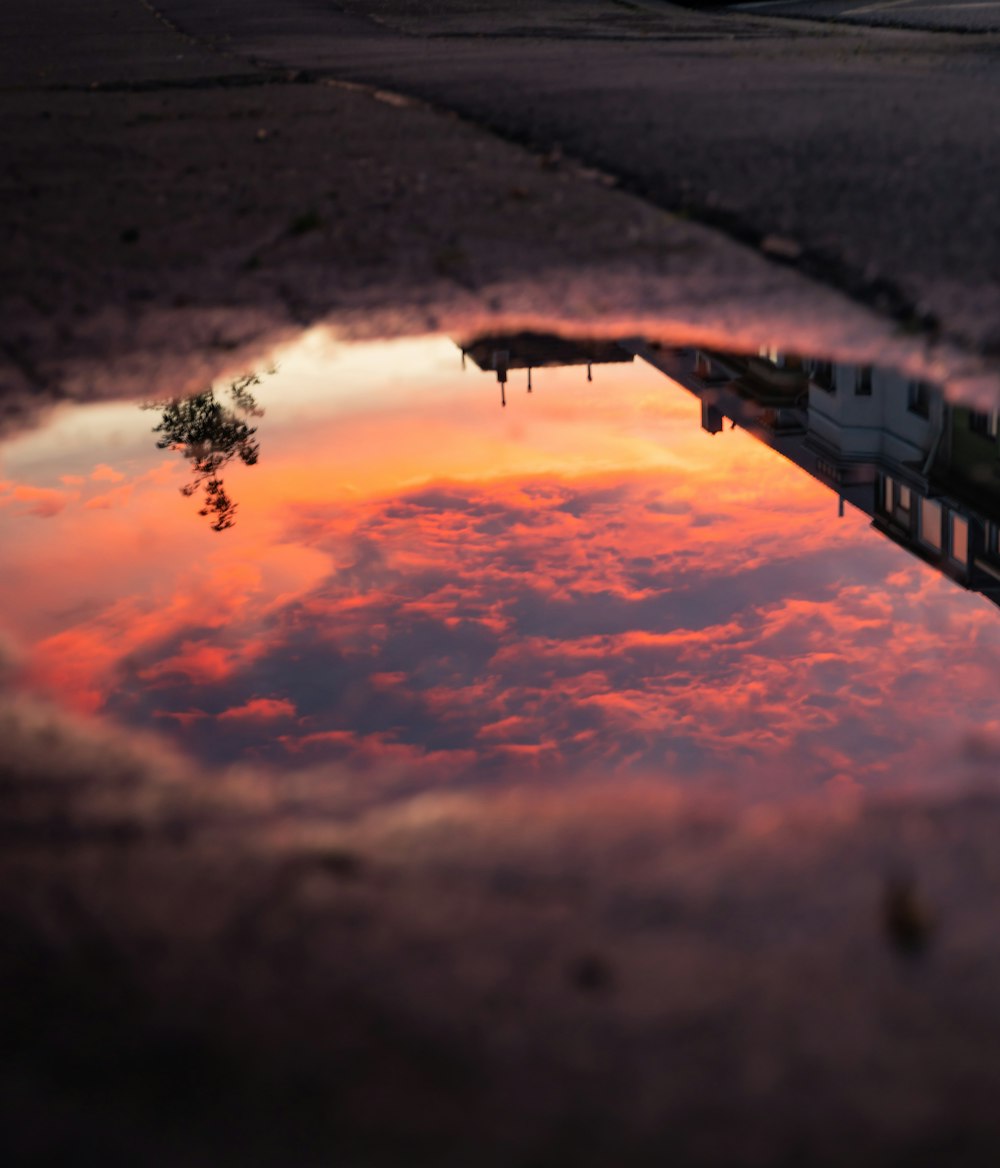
211,433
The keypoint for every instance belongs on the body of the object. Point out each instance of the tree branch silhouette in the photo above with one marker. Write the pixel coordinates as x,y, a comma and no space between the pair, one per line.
211,433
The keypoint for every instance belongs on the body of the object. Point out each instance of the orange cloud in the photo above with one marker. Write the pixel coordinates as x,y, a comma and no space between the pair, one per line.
106,474
109,499
44,502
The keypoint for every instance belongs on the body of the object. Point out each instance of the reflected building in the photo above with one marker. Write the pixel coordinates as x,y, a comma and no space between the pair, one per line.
530,351
926,470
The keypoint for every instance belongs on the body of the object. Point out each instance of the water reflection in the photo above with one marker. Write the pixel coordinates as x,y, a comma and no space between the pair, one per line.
531,351
926,470
624,577
211,433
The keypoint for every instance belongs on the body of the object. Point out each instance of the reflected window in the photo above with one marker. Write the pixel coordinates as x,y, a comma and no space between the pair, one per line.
930,524
959,540
863,381
918,398
823,375
897,501
983,423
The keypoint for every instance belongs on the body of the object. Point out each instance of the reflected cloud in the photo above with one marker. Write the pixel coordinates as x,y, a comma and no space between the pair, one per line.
42,502
627,577
925,469
501,354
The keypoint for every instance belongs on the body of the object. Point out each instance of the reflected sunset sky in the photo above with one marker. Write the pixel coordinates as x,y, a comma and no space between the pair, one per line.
582,584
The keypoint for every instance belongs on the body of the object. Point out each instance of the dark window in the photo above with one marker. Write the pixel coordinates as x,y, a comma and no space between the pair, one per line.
863,381
918,398
984,424
823,375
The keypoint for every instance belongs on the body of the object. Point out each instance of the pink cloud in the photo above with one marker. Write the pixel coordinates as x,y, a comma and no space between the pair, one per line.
201,663
259,710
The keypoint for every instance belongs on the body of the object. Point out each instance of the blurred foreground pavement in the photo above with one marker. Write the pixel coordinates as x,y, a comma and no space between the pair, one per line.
224,969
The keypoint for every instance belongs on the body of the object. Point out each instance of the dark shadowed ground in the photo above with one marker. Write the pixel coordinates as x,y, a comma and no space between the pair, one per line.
207,969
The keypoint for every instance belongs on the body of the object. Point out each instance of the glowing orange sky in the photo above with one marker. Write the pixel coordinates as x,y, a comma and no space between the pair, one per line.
583,583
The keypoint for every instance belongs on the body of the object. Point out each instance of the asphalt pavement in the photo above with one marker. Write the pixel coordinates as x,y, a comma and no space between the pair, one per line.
967,16
183,188
871,153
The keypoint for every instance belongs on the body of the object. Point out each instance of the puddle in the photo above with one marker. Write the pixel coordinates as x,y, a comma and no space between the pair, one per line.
522,560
